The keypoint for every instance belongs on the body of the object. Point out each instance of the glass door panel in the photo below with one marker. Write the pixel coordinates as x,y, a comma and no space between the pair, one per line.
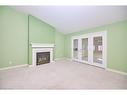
97,49
75,48
85,49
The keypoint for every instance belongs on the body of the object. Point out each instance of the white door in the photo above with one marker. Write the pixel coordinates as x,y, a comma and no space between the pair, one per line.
85,49
75,49
90,49
99,49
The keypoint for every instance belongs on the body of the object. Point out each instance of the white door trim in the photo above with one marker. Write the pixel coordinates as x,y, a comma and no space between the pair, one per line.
90,37
103,34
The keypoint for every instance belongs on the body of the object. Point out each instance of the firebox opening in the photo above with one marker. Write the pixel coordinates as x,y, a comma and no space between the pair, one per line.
42,58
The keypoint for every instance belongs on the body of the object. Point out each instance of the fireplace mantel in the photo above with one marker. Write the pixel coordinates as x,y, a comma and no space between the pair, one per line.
40,45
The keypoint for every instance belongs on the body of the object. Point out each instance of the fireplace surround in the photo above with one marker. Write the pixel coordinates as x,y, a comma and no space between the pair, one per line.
38,51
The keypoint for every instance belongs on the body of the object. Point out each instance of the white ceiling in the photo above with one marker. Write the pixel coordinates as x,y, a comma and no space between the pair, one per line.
69,19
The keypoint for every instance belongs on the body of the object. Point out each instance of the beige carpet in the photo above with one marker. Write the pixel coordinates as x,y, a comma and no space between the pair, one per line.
61,75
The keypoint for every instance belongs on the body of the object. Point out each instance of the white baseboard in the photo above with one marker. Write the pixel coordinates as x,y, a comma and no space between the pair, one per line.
120,72
108,69
63,58
30,65
12,67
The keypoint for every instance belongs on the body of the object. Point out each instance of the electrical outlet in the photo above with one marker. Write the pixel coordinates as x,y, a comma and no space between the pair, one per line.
10,62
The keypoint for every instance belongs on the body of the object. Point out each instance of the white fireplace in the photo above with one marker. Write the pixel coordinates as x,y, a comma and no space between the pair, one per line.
40,48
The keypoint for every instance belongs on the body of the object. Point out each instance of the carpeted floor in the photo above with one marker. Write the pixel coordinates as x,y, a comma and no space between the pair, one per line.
61,75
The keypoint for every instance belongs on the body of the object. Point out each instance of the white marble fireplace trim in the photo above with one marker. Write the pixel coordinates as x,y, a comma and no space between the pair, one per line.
36,48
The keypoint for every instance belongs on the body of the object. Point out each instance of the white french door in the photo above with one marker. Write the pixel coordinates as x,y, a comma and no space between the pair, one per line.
90,49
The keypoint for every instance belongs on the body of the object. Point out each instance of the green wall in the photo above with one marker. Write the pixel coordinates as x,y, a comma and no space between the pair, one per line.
18,30
116,44
39,32
13,37
59,45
